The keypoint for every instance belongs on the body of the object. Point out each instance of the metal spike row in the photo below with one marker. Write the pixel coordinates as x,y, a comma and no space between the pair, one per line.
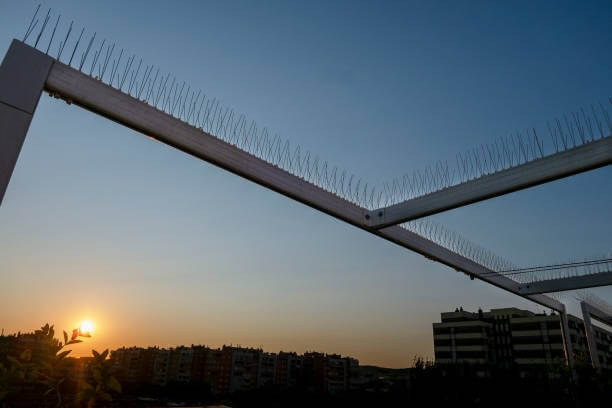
222,122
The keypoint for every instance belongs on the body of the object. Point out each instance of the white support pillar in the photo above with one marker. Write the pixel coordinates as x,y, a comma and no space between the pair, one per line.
590,334
22,78
567,340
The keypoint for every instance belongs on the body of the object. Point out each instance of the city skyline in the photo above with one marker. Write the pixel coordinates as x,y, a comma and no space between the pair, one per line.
148,243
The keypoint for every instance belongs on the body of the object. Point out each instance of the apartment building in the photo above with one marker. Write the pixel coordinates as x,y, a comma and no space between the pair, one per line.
244,369
511,337
212,367
288,370
233,369
266,370
135,364
160,367
327,372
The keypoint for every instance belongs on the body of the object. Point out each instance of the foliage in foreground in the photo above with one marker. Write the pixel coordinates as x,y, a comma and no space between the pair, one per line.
41,371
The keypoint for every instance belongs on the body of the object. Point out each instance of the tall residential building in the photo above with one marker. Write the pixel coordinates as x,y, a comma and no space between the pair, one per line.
510,337
179,364
134,364
245,367
288,370
160,367
266,371
327,372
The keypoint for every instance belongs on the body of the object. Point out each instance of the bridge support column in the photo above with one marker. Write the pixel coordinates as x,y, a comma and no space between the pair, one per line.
23,73
567,340
590,334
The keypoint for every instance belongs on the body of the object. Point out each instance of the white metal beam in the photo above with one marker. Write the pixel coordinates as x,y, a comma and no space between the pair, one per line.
102,99
597,313
22,76
25,69
567,341
586,157
588,311
563,284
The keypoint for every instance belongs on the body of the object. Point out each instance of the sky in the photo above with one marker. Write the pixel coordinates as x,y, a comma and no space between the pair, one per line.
159,248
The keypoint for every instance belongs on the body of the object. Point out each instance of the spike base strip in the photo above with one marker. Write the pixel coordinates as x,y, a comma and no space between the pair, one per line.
109,102
564,284
583,158
438,253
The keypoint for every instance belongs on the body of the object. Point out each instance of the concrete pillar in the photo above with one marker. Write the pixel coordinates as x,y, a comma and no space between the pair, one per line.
23,73
590,334
567,341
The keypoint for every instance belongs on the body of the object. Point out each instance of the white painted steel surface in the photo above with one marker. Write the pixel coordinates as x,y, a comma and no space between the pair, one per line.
563,284
102,99
573,161
22,76
589,156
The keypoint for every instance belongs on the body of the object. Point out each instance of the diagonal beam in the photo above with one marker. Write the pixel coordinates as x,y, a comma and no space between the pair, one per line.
579,159
596,312
563,284
91,94
588,311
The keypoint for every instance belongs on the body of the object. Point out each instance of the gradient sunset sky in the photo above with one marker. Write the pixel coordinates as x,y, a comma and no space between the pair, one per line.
159,248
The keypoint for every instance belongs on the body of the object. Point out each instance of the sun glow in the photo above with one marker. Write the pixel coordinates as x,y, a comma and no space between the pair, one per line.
86,327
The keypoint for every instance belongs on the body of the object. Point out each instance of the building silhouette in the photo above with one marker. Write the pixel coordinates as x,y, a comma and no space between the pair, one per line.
231,369
512,338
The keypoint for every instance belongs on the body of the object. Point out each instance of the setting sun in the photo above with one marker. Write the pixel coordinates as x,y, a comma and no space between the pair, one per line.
86,327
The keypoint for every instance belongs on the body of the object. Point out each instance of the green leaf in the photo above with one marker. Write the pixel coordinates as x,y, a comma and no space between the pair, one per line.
96,375
26,355
63,354
74,341
13,361
65,337
104,354
86,386
95,353
114,385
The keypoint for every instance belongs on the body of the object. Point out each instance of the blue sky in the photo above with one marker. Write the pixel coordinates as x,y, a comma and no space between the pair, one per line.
160,248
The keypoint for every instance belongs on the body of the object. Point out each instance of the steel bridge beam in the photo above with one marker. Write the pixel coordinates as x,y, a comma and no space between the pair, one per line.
590,311
579,159
563,284
22,78
97,97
